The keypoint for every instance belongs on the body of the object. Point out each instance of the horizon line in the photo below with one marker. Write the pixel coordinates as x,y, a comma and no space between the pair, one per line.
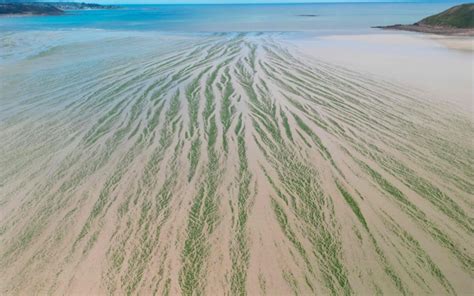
266,3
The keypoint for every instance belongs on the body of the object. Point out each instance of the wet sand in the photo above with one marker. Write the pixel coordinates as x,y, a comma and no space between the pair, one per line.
228,164
439,66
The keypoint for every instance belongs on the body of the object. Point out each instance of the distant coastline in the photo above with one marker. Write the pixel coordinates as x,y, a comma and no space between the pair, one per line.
47,8
457,20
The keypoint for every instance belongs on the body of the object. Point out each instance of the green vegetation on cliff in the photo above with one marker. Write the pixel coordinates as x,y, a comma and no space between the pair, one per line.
460,16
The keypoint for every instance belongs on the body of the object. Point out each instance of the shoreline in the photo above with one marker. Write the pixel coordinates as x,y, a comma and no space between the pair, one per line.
447,31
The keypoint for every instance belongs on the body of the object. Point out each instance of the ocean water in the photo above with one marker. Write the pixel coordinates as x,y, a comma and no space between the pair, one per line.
322,17
27,36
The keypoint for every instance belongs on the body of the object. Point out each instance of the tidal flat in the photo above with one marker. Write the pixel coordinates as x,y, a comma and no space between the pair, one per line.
226,163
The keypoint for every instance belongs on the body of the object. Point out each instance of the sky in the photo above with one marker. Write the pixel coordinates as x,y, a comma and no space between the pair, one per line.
239,1
221,1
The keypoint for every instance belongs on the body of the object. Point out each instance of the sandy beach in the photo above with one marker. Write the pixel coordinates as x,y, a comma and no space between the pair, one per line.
236,163
440,66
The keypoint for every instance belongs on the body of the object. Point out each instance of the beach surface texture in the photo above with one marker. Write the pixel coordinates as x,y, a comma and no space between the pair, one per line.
233,164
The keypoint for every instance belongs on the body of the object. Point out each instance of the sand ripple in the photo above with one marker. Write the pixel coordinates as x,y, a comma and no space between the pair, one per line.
226,164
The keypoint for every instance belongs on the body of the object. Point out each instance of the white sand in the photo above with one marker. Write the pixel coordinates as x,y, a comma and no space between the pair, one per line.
441,66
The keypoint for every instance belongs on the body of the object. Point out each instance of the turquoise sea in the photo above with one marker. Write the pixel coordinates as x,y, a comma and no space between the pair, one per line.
320,17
